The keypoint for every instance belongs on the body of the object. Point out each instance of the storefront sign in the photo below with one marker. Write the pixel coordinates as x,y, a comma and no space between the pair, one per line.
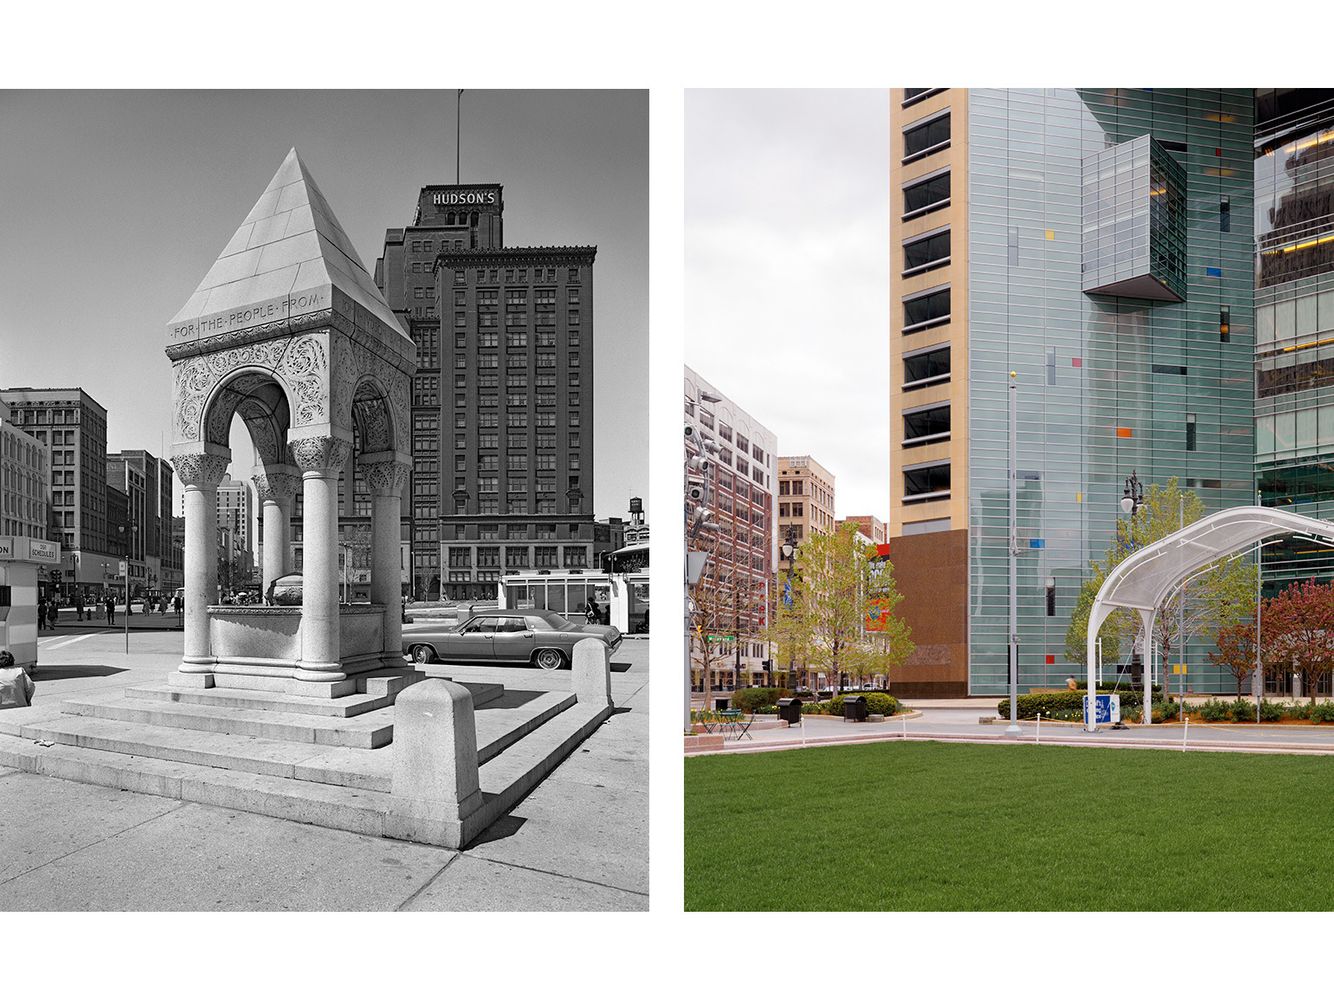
17,548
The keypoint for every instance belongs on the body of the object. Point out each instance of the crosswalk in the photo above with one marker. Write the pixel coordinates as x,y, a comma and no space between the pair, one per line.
59,642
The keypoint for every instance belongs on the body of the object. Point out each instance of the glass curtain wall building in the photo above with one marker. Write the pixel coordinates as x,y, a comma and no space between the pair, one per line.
1101,248
1294,320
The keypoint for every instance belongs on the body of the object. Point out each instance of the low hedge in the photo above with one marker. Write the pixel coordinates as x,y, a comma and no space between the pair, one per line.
1063,705
763,699
1243,710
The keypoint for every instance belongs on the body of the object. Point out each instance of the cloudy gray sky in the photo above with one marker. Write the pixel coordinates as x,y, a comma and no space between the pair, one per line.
113,205
787,264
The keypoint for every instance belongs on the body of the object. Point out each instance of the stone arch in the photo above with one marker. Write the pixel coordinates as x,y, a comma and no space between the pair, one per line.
373,417
261,399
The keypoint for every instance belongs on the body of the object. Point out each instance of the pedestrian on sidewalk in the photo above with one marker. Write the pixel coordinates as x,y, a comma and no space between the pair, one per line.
52,613
41,613
111,610
78,604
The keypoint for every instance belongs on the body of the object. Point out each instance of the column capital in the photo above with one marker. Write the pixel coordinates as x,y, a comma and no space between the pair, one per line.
386,479
321,454
200,470
276,485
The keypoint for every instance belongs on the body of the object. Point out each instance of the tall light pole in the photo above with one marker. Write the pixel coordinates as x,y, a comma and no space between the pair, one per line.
1013,727
788,551
1257,678
1132,499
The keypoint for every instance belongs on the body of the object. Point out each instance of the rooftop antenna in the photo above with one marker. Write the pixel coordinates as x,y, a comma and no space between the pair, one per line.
458,112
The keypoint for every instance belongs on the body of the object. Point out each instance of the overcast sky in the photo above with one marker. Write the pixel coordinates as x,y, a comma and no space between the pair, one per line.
787,271
113,205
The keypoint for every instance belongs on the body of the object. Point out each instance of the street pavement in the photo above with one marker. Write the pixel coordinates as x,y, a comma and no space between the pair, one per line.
579,841
960,720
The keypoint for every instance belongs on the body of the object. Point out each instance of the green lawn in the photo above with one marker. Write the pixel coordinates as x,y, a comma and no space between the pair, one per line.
935,826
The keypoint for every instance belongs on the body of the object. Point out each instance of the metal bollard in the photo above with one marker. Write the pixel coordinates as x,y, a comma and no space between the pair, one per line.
1039,736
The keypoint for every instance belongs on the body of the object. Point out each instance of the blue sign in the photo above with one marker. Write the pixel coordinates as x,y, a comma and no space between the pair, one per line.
1109,709
787,593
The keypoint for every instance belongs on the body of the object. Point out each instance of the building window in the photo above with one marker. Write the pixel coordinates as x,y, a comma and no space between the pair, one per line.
926,309
911,95
1224,323
926,367
926,195
925,138
926,482
1190,432
1051,366
1224,214
921,426
926,252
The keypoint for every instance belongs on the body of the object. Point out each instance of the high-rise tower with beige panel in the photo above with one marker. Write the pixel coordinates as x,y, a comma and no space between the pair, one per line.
928,383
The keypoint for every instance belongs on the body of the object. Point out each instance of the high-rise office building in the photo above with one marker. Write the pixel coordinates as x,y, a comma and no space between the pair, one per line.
25,481
805,498
503,396
162,564
1294,322
73,426
1098,243
743,553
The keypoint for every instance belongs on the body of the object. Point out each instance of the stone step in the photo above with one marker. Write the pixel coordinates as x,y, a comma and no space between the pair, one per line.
511,775
265,701
505,778
368,731
499,728
252,754
333,806
336,765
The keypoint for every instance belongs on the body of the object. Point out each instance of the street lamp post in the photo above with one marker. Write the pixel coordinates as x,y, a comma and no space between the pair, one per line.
788,551
1132,499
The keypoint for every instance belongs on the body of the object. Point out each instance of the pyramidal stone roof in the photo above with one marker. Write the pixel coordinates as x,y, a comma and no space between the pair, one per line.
289,258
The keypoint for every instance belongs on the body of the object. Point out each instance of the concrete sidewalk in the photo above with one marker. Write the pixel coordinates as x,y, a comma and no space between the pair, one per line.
579,841
962,725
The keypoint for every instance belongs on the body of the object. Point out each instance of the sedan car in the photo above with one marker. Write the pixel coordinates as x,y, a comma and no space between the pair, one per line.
532,635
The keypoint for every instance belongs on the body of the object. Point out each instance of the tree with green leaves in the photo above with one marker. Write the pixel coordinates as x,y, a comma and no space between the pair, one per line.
844,597
1217,596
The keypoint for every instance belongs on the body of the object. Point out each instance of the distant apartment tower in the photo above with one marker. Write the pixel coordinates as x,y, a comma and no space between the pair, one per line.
805,498
1098,243
25,481
503,396
73,426
744,552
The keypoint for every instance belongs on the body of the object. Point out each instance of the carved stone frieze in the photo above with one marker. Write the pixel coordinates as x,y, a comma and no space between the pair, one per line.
300,364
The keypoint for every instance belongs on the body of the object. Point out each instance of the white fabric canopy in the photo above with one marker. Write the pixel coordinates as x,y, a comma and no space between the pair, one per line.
1142,580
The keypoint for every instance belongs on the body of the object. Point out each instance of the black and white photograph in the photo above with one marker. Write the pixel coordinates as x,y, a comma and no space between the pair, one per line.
324,546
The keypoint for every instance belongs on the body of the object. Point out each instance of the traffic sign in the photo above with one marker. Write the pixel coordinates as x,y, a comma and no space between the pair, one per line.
1109,709
124,567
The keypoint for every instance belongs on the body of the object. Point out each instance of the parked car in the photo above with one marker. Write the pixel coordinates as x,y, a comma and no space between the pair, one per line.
535,636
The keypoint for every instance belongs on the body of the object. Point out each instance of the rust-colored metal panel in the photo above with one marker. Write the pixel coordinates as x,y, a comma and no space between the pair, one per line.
931,572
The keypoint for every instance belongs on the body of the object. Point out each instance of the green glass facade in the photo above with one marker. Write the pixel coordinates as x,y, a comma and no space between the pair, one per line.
1294,317
1107,384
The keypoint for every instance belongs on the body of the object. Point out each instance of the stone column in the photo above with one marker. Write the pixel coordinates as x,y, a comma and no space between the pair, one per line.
320,460
276,486
200,474
386,479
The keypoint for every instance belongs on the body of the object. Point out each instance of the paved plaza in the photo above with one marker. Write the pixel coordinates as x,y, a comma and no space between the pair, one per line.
959,720
579,841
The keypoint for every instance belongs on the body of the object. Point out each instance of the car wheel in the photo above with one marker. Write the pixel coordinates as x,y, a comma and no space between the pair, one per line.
422,654
549,659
